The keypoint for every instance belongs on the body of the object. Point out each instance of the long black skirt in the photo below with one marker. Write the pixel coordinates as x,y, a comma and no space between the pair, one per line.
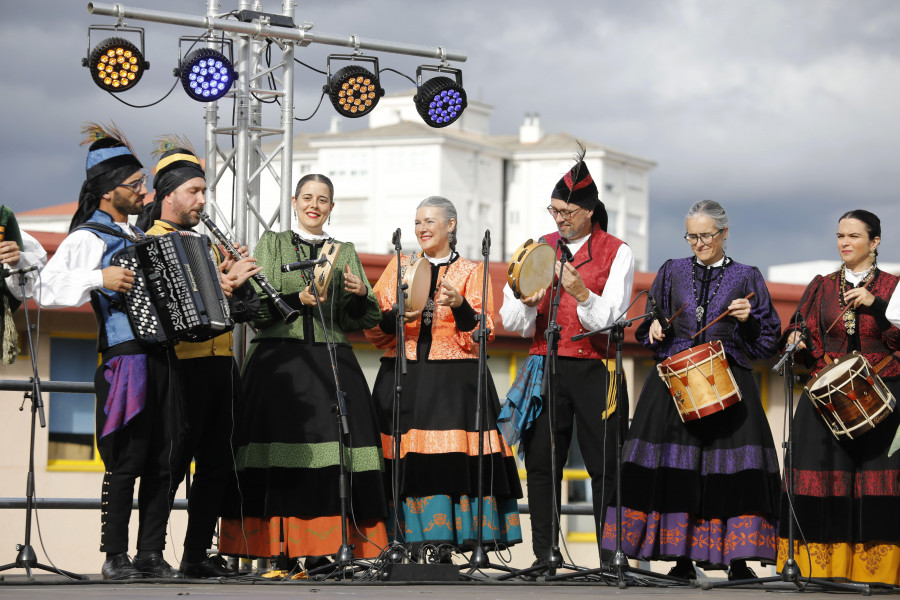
287,458
706,489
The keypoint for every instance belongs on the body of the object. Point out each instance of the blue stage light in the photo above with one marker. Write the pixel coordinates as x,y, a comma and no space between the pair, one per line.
440,101
206,75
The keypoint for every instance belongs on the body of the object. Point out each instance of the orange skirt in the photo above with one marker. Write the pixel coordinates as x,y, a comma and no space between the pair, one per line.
866,563
320,536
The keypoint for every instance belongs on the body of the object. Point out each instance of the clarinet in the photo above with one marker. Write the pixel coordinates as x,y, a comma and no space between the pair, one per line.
290,315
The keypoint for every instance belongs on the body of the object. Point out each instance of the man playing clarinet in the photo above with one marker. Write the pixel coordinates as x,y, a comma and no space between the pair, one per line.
210,384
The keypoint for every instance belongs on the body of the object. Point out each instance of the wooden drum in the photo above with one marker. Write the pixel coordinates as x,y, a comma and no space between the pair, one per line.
700,381
531,268
850,396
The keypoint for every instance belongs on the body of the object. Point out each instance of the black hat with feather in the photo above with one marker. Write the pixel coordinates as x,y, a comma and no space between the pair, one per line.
110,161
578,187
177,163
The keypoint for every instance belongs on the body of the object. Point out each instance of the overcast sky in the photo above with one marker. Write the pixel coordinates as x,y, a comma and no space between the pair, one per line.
783,111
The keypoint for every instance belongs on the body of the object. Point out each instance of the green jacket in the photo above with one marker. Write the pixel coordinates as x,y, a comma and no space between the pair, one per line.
343,311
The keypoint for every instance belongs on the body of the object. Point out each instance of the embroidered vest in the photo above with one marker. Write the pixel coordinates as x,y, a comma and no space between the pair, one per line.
593,262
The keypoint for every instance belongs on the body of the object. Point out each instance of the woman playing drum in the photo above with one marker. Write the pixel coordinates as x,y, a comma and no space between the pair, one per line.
287,457
847,492
439,441
706,489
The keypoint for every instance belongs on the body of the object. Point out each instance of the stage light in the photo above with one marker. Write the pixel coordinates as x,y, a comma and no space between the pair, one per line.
206,74
116,64
354,90
440,101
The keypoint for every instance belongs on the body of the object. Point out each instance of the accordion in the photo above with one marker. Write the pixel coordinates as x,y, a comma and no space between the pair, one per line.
176,293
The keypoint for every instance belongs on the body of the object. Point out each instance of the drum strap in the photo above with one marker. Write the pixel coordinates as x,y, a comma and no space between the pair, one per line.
883,363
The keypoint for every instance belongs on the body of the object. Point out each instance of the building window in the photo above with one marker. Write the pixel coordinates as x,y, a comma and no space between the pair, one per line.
71,415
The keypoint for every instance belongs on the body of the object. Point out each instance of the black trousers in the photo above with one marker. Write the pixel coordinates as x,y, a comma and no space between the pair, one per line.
148,448
581,388
211,388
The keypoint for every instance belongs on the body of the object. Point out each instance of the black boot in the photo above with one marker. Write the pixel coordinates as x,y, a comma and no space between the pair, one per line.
152,564
119,567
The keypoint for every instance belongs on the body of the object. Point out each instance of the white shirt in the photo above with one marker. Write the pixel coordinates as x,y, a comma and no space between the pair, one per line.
31,253
74,271
597,312
893,309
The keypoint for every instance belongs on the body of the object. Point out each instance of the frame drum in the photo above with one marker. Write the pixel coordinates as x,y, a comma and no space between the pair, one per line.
531,268
418,280
323,273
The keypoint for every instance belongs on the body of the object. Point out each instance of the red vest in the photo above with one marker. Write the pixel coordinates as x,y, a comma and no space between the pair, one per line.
593,261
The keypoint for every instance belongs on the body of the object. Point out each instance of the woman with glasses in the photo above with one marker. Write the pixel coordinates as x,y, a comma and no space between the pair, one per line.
703,490
847,492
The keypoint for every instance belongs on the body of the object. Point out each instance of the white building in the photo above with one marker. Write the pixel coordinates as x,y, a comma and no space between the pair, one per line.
496,182
804,272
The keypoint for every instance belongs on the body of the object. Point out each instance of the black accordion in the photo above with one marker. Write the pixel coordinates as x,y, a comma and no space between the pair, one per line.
176,293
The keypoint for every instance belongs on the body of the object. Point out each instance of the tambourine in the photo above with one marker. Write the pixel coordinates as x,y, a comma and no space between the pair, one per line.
418,280
531,268
323,273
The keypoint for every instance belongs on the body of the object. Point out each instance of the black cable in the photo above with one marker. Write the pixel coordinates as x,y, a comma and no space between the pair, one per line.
145,105
398,73
310,67
313,112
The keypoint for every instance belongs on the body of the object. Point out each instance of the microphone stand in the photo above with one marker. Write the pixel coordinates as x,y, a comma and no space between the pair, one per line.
27,559
479,559
554,558
344,559
619,563
790,573
397,552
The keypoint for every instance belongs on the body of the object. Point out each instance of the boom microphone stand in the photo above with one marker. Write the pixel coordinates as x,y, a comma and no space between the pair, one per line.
479,559
27,559
791,571
619,562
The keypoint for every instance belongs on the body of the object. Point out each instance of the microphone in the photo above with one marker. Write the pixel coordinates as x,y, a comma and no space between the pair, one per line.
7,273
486,242
657,312
566,253
303,264
395,239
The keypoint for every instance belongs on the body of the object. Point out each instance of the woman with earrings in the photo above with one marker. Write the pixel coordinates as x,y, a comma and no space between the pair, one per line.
439,453
288,449
846,492
703,490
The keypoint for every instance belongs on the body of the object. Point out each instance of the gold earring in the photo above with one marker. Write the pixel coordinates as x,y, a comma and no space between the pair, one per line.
872,255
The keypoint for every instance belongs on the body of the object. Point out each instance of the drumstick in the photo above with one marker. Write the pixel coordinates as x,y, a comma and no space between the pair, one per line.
720,317
677,312
846,308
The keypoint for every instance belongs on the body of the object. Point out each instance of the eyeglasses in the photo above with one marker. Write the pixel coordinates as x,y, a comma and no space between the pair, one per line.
135,185
565,214
706,238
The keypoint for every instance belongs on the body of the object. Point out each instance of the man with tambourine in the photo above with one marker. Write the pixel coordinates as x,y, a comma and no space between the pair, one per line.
596,288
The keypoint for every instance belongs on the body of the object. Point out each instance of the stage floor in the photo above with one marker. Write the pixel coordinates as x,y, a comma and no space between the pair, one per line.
17,587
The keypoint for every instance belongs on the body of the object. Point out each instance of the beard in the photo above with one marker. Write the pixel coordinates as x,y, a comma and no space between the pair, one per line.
126,205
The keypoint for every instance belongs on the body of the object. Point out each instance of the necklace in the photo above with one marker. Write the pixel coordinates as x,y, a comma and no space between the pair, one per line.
700,311
429,308
850,314
296,240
